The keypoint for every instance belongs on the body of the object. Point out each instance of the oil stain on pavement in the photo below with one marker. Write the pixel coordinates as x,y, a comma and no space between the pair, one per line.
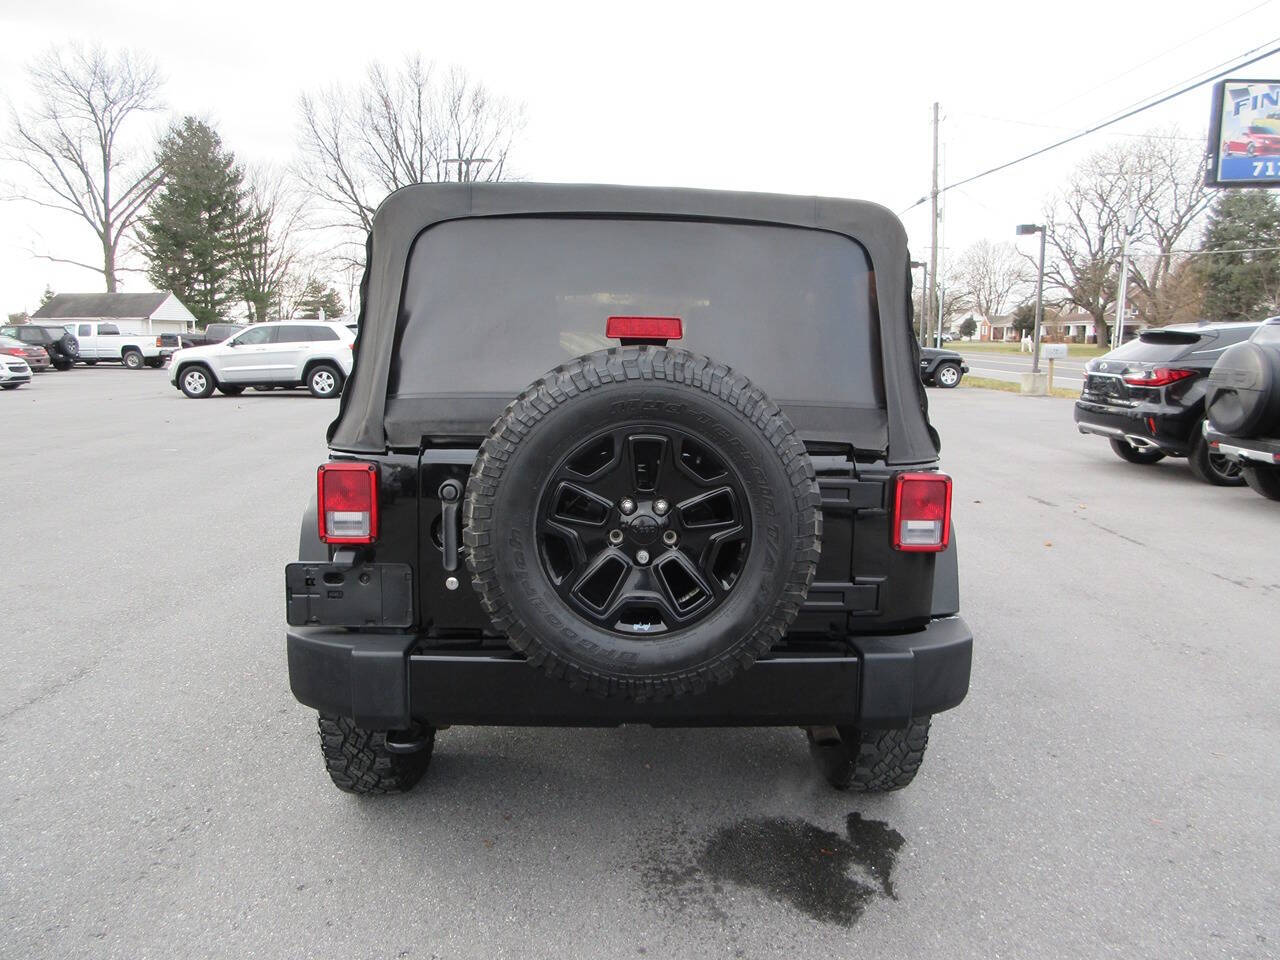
818,872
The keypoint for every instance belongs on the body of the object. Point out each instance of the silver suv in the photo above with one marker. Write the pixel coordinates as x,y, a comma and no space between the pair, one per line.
313,354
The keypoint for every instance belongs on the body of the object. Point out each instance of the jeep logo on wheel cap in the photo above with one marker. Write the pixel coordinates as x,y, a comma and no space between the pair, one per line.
643,529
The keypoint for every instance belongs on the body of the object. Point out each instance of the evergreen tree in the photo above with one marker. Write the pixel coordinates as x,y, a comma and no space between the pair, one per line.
317,296
1242,286
47,295
192,232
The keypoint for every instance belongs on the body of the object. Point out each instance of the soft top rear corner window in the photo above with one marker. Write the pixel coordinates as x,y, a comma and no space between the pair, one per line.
490,304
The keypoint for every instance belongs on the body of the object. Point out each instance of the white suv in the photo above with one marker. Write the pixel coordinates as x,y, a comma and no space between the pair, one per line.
290,353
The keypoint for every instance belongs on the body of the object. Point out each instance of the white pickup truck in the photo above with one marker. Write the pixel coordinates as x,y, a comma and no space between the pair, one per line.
101,341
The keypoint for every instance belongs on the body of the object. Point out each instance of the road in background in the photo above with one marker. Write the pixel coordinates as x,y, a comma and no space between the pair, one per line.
1007,366
1108,789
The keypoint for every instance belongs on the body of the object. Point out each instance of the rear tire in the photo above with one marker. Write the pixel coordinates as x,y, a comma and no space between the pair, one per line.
1212,468
1127,451
9,386
132,359
324,381
871,761
359,762
230,391
1264,481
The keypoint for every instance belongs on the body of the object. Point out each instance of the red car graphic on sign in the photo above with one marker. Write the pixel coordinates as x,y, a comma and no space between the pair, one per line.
1255,141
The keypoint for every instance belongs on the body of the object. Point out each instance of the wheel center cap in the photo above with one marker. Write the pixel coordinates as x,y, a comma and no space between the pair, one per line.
643,529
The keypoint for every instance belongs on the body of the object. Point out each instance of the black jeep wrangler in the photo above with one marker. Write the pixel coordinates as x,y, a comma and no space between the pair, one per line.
617,455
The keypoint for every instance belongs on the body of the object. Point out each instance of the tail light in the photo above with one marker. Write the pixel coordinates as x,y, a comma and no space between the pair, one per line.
158,343
922,512
1159,377
347,501
15,351
644,328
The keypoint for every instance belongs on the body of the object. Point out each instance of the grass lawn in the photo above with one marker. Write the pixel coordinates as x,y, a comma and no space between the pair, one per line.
990,383
979,346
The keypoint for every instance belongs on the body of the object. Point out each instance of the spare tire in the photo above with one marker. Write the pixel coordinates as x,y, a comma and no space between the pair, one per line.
70,345
1243,392
642,523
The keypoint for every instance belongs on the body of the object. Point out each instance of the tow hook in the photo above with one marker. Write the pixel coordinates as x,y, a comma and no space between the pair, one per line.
450,494
417,744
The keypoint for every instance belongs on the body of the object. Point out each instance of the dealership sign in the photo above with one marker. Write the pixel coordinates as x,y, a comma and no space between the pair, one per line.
1244,134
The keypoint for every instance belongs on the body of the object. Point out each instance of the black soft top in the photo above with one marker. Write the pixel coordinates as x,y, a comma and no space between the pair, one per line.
365,425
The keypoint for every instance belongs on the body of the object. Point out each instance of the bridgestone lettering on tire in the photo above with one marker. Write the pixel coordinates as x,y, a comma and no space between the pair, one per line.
698,415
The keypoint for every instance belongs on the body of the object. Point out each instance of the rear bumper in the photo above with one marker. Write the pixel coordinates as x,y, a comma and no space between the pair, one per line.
382,682
1131,424
1253,450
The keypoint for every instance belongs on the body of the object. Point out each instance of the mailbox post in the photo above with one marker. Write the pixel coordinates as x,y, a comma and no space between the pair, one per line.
1052,352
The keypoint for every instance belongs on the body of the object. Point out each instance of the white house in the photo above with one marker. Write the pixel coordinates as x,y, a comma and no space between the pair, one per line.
157,311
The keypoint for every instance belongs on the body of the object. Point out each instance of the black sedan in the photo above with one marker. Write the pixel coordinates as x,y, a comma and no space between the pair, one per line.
941,368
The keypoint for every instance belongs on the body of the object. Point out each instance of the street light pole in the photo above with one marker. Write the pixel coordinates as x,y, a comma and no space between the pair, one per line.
924,297
1026,229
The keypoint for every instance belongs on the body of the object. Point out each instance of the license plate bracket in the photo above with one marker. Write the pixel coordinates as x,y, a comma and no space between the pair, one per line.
338,595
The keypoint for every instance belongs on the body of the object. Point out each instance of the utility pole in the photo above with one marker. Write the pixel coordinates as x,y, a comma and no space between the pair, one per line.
1117,333
933,226
464,166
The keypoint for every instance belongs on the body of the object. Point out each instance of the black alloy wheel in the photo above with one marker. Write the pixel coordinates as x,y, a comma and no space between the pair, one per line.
644,529
1213,468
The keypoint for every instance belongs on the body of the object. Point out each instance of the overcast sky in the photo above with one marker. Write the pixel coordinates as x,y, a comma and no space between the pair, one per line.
809,98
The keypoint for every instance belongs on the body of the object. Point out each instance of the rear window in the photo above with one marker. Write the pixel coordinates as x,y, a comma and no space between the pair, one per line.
1160,346
491,304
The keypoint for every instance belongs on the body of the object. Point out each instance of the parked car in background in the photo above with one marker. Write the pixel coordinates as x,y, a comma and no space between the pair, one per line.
102,342
315,354
1148,397
14,372
61,346
36,357
1244,408
213,333
941,368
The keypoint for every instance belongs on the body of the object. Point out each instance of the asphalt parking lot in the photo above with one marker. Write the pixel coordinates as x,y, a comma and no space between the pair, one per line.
1108,789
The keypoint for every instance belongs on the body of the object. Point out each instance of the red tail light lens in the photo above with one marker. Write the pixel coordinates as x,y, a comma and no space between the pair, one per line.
15,351
1159,377
158,343
644,328
347,500
922,512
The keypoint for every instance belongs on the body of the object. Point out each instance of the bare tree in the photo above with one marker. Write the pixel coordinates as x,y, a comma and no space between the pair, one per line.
269,247
1169,213
401,126
71,141
987,276
1155,184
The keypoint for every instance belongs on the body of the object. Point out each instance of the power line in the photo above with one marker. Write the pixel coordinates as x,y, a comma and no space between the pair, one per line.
1200,35
1058,126
1106,123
